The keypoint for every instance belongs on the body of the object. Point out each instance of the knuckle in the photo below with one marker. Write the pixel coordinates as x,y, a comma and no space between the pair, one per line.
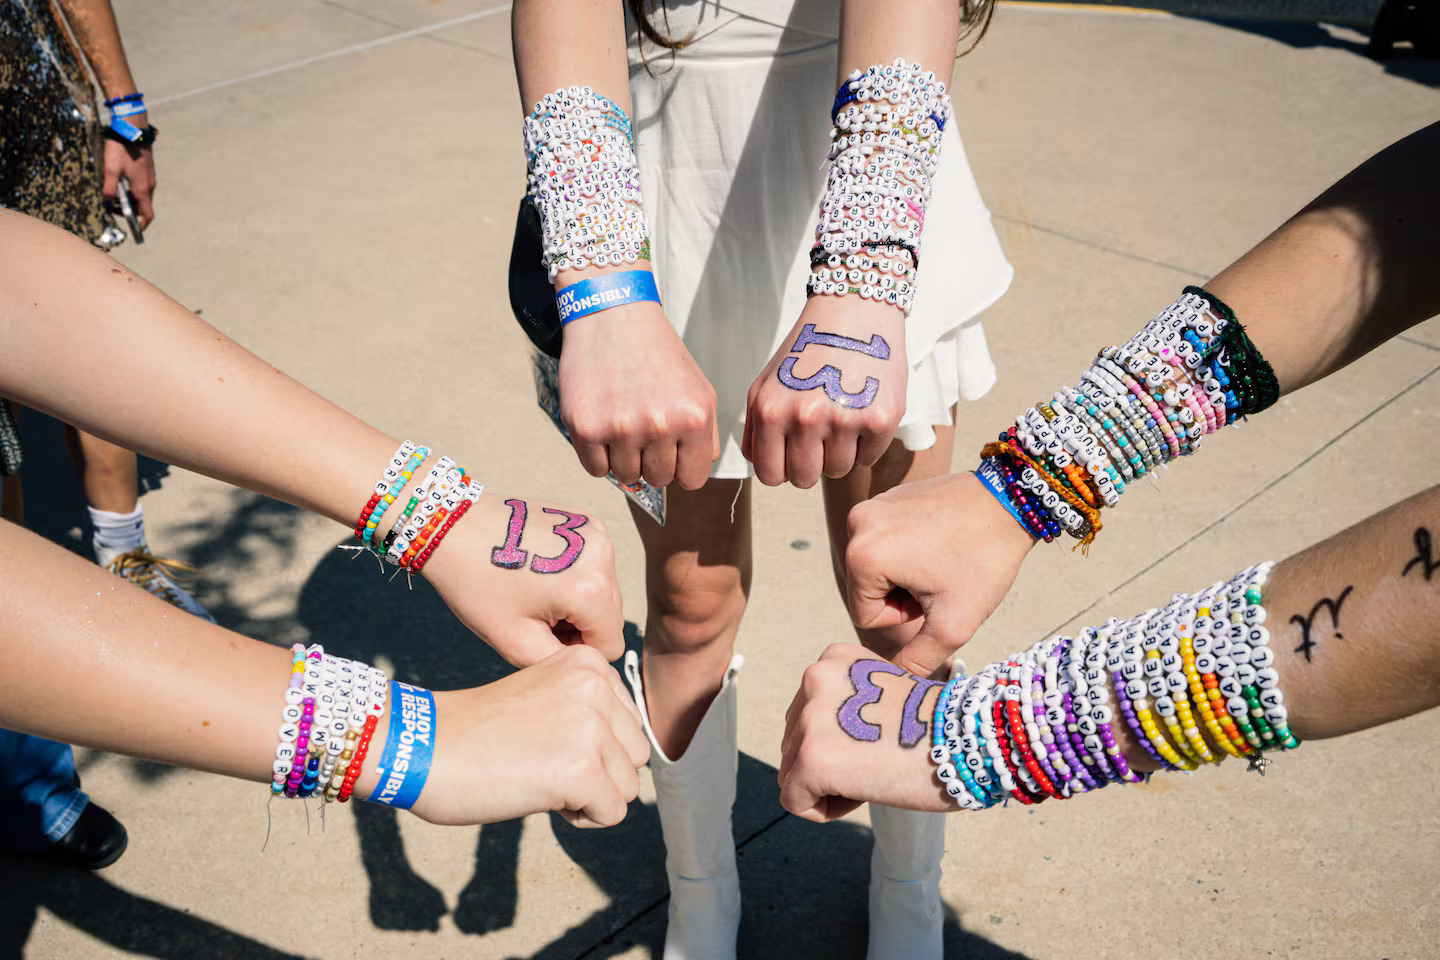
588,685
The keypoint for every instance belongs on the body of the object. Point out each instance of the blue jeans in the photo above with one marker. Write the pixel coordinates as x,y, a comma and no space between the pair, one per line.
38,799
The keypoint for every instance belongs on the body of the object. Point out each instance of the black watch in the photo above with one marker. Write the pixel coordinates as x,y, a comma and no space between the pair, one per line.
147,137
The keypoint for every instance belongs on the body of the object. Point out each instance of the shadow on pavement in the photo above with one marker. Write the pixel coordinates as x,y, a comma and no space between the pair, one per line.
1297,23
1404,62
805,885
88,902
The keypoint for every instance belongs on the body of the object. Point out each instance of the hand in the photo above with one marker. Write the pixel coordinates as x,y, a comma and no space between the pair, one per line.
635,403
943,551
530,577
137,164
561,735
825,771
831,397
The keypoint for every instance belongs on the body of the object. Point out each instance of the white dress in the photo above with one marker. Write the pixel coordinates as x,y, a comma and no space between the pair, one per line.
731,134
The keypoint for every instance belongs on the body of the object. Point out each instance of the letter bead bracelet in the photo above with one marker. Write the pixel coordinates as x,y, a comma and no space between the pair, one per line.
332,708
884,151
1190,370
435,504
1039,724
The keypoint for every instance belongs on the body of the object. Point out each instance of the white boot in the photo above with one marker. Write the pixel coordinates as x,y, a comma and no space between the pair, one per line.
905,913
694,795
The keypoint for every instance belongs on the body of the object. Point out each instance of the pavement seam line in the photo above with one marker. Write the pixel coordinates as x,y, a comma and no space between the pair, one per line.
1417,343
332,54
1095,245
645,911
1239,506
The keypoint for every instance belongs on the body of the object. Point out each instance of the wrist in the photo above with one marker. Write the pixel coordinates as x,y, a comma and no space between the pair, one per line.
603,292
1001,524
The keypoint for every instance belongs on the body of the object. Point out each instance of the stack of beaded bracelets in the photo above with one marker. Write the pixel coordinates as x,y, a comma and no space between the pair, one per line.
580,155
883,156
1039,724
442,498
1190,371
332,706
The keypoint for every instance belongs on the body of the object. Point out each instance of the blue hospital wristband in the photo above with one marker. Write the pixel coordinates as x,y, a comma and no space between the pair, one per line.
409,747
605,291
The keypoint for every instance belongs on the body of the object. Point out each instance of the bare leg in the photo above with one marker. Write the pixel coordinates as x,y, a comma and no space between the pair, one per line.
906,916
697,581
108,473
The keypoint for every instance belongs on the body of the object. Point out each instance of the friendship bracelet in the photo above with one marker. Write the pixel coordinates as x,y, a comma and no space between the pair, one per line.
988,473
991,725
583,178
1186,373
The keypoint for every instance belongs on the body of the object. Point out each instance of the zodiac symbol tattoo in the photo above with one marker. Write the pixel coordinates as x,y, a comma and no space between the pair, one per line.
1307,622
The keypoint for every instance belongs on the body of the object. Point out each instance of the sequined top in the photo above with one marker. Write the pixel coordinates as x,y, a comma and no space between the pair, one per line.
49,122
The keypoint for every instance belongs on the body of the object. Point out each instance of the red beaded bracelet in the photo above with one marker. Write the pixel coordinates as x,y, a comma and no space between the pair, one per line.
1022,744
361,748
365,517
1021,792
439,535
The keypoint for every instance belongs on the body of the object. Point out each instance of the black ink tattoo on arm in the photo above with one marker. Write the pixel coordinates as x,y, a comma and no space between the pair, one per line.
1423,555
1307,623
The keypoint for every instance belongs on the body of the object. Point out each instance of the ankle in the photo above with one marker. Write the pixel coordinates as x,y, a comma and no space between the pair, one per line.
117,533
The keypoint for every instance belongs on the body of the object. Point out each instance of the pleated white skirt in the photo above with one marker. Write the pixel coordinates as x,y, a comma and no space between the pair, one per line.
731,135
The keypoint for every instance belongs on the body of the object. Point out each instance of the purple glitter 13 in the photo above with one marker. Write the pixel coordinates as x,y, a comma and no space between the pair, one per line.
829,378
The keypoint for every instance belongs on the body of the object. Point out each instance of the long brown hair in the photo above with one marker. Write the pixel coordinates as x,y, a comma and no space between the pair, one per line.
974,21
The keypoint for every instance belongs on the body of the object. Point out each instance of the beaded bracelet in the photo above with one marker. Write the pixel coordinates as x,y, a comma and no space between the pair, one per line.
888,121
993,741
1185,374
584,180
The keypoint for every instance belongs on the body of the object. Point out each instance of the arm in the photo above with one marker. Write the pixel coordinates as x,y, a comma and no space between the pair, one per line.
91,660
94,345
93,22
1354,624
794,430
1348,272
634,401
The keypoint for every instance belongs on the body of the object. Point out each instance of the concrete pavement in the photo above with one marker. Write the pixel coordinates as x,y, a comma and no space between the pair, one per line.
337,172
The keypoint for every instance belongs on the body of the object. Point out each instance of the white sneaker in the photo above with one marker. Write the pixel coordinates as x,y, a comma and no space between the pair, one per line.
160,576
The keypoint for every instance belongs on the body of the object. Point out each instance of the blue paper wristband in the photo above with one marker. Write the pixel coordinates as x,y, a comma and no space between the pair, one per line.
989,474
605,291
409,747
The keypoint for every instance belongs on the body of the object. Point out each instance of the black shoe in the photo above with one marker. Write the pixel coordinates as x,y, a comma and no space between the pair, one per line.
96,840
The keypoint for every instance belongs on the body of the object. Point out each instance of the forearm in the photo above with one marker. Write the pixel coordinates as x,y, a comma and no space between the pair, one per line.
240,420
561,43
1352,269
93,22
90,660
923,32
1341,637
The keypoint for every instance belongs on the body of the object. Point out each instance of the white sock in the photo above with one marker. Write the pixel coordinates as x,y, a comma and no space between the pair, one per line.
117,533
